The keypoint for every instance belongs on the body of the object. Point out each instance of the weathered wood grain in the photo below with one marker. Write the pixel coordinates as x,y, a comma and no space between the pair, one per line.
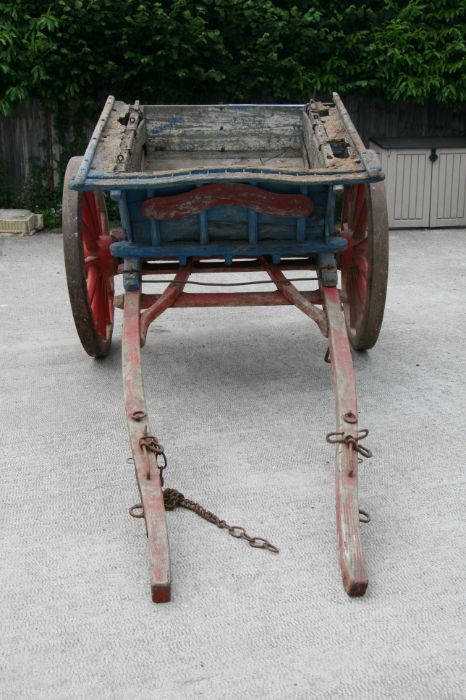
176,160
223,127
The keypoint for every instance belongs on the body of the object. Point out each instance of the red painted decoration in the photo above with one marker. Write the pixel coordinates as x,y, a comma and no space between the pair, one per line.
180,206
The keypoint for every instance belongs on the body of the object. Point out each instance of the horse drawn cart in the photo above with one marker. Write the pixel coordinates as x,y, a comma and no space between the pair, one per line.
228,188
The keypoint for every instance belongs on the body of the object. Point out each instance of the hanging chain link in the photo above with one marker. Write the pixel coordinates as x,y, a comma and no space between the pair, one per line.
353,443
152,444
173,499
350,440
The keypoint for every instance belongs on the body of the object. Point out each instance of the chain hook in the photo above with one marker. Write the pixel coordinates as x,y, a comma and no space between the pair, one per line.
151,444
351,440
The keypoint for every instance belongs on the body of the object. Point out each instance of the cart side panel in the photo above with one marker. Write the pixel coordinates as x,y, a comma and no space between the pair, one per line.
228,223
229,231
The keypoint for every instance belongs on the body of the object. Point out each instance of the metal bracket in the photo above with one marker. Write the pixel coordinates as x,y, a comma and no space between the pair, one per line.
132,274
328,272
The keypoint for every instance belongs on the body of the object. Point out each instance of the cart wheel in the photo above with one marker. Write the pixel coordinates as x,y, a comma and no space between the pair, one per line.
89,264
364,264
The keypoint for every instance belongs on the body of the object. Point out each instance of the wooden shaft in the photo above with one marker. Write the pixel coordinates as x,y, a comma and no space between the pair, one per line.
346,472
147,474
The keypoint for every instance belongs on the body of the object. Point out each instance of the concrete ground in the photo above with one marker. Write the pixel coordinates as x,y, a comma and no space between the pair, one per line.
241,400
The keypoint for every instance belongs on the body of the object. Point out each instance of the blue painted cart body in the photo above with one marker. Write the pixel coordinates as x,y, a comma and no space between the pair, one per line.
142,152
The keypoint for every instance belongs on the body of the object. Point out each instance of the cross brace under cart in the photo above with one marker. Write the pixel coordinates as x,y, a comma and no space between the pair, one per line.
228,188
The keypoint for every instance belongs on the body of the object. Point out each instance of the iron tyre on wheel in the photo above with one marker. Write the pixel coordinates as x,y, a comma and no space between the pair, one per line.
364,265
89,264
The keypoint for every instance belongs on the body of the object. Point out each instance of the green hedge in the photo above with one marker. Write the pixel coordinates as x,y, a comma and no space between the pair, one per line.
79,51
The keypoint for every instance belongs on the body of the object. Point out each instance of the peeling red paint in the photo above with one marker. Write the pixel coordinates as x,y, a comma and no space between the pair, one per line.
180,206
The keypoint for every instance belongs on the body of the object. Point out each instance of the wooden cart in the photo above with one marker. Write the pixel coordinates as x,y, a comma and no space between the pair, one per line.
227,188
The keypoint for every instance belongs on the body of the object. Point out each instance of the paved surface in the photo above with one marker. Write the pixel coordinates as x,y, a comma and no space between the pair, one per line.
242,400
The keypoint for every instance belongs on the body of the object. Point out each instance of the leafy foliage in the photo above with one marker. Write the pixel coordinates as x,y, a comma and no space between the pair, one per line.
72,53
421,50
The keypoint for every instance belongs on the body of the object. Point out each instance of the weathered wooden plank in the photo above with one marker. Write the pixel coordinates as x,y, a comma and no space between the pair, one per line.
231,127
185,249
176,160
137,152
368,157
95,138
109,143
214,266
314,154
136,181
315,138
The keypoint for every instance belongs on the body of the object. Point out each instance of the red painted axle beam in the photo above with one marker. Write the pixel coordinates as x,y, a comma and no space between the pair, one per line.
205,300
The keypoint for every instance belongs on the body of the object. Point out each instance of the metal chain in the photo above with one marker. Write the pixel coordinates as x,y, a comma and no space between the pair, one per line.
173,499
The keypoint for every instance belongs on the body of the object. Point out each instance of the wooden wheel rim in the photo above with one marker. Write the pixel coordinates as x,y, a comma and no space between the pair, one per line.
364,265
89,264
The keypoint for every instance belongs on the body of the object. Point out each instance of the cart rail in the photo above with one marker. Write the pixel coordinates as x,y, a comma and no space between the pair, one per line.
134,146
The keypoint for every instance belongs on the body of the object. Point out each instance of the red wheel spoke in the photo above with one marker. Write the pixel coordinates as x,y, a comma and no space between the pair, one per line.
109,298
363,266
91,261
91,224
92,283
361,288
355,264
90,213
101,301
354,307
360,225
359,218
361,245
102,214
89,242
104,318
98,308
